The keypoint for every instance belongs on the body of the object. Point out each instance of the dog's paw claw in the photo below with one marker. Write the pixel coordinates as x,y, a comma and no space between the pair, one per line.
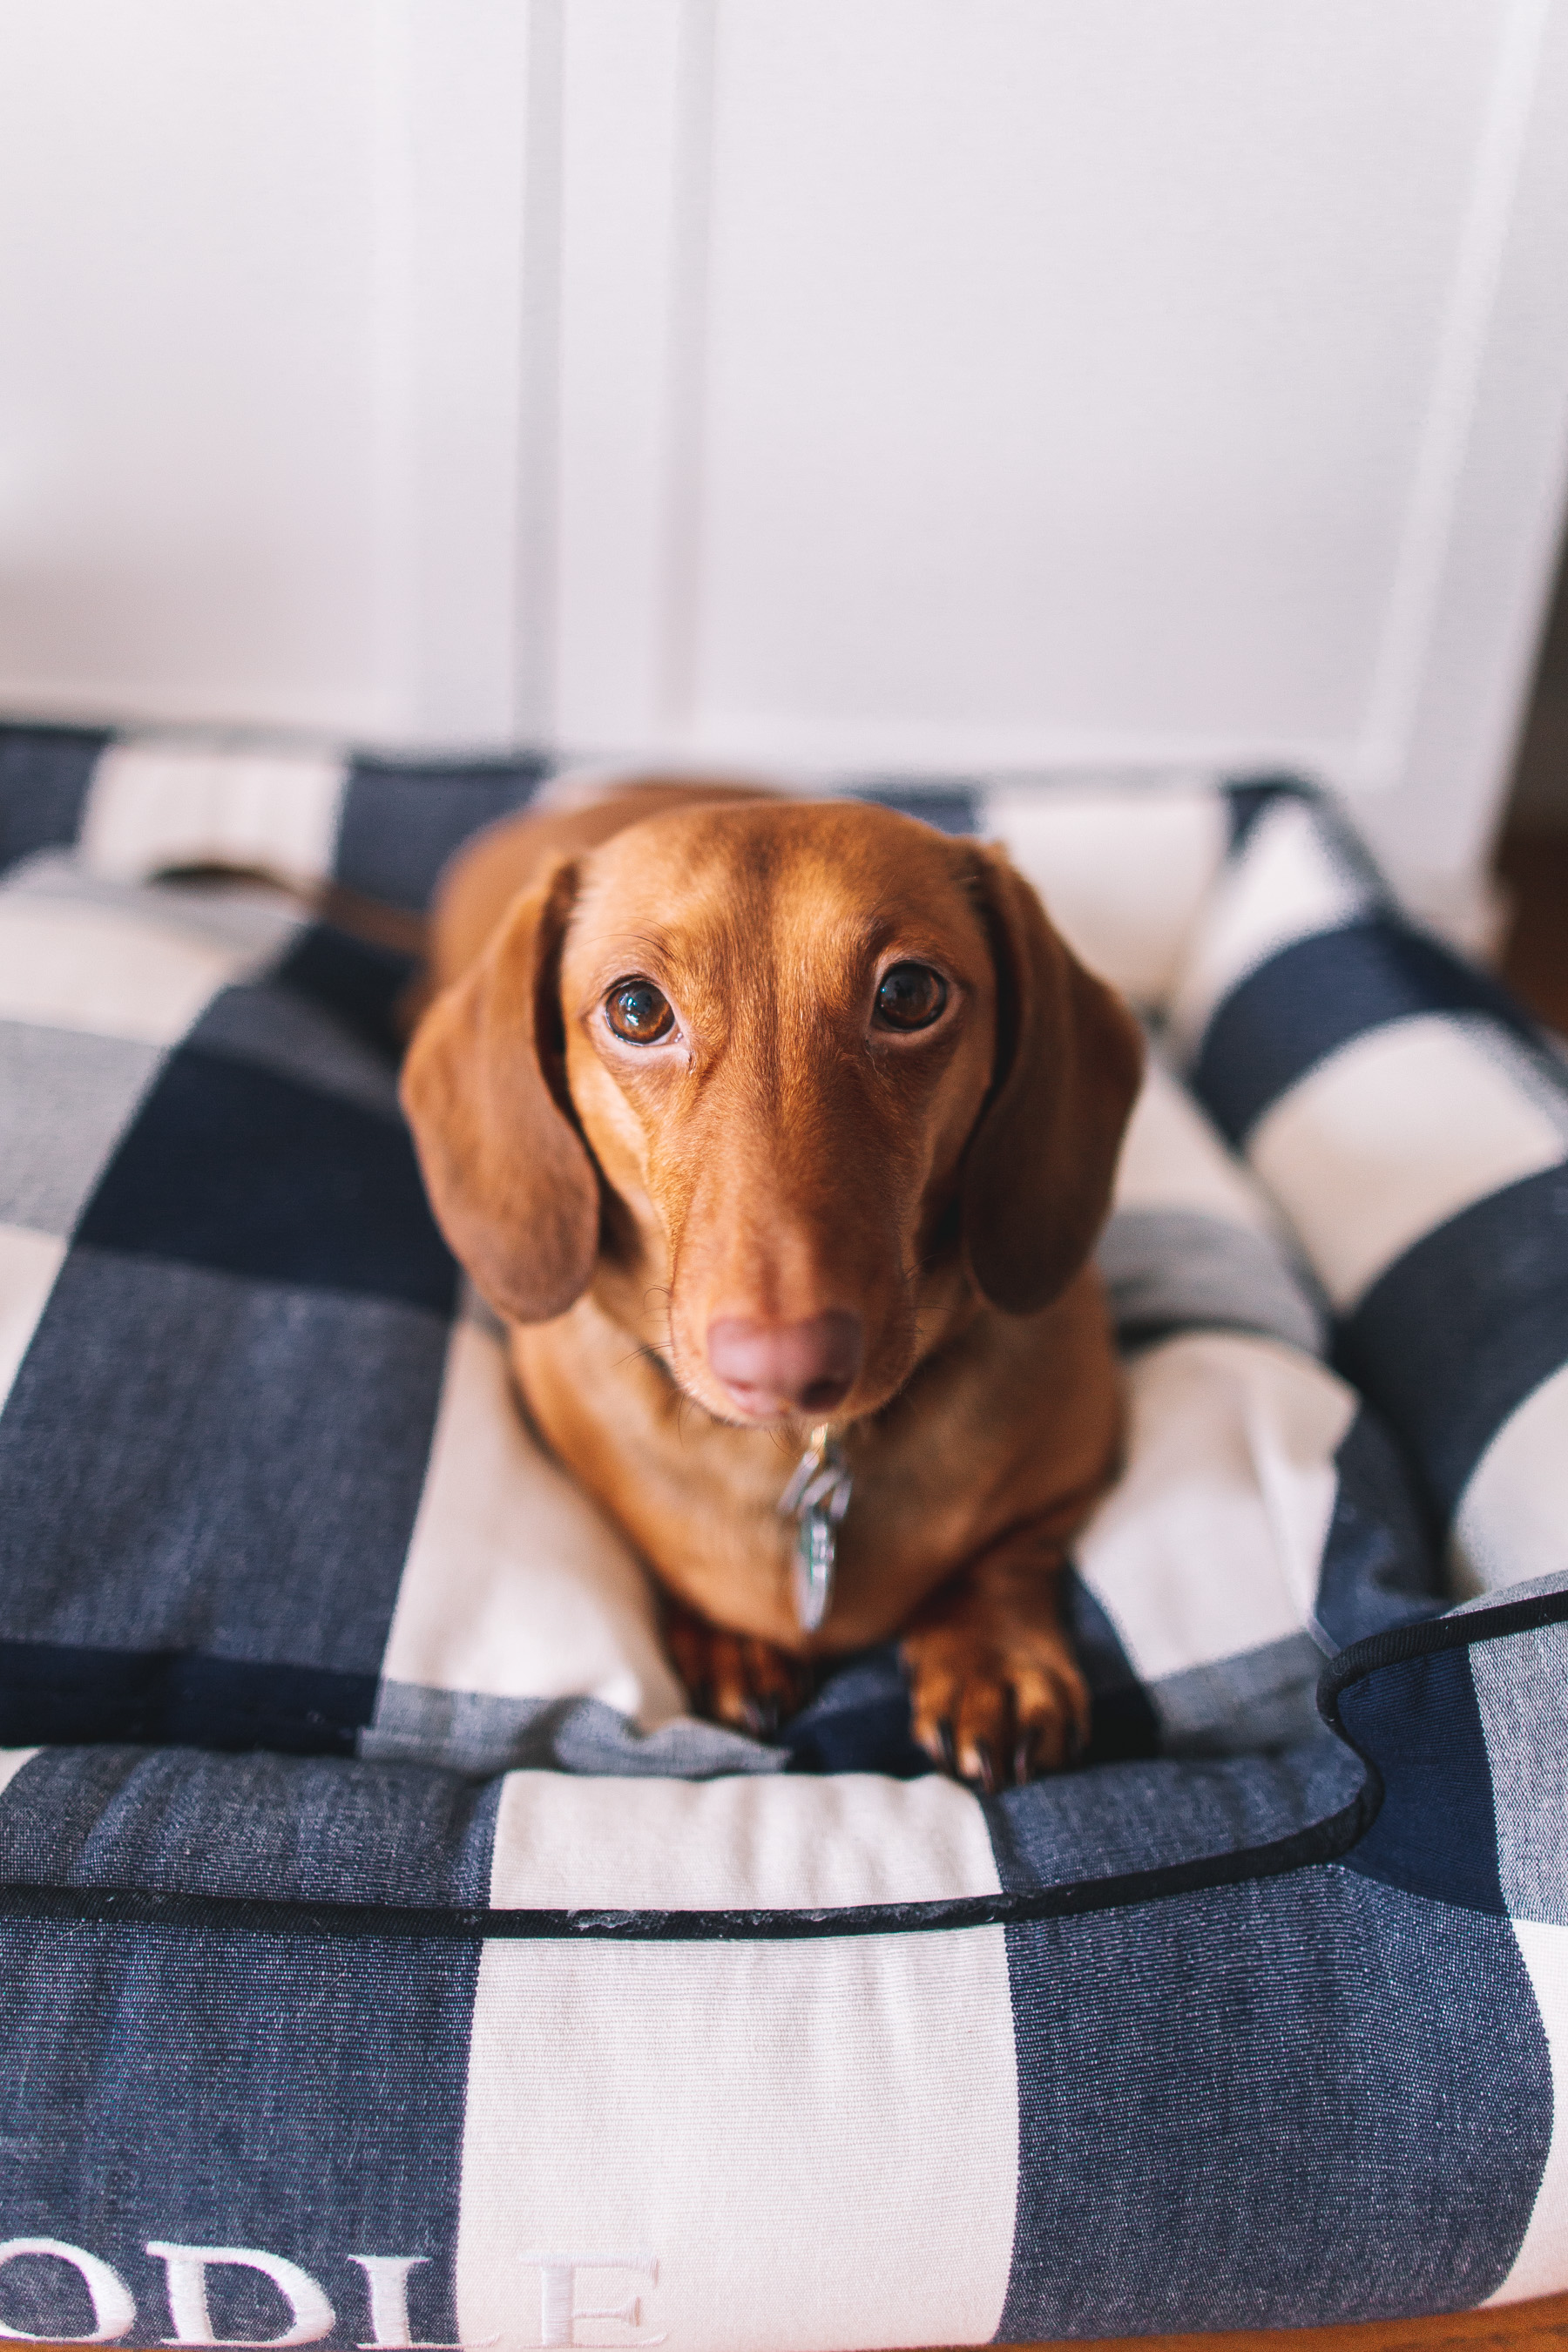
762,1717
735,1679
994,1712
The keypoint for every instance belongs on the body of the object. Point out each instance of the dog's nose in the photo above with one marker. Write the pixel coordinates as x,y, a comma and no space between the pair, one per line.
806,1367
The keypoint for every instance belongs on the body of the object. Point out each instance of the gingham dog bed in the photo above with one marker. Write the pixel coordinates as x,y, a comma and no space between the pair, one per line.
388,1957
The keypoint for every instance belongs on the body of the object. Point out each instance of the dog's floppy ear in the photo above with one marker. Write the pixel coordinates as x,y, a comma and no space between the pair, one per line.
508,1176
1069,1057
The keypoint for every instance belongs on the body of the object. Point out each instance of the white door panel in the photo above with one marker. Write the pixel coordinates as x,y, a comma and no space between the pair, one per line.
1071,355
188,306
259,310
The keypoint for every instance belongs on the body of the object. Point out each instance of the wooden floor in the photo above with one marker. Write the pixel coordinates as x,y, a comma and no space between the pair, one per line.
1533,868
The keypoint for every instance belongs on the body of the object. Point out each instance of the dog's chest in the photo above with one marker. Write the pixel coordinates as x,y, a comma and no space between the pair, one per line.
934,1479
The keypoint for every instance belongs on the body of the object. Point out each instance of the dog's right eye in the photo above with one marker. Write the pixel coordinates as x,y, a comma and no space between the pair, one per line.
911,997
639,1012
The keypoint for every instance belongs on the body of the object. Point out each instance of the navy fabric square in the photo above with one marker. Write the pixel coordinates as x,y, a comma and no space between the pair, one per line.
1317,994
1307,2099
206,2086
1250,798
951,806
210,2088
289,1030
1152,1816
57,1692
361,986
859,1721
44,775
239,1168
1381,1565
1465,1324
400,823
193,1461
269,1826
1435,1830
351,978
1124,1723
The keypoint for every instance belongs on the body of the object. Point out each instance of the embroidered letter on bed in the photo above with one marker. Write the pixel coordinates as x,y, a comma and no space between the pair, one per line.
313,2315
113,2306
558,2311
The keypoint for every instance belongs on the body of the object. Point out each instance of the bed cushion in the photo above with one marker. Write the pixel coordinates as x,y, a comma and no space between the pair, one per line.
1412,1124
366,2052
378,2032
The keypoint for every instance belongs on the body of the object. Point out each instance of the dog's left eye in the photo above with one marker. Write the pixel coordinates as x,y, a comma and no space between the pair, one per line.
639,1012
911,997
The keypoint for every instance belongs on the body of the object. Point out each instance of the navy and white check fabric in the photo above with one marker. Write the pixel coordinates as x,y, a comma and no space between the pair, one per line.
386,1957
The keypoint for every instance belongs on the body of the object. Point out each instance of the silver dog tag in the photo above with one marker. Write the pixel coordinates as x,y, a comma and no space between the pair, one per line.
817,1498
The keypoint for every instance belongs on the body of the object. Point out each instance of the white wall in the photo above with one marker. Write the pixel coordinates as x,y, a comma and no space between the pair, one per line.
936,382
260,309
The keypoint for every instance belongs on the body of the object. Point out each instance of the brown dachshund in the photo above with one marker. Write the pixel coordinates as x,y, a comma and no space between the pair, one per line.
757,1117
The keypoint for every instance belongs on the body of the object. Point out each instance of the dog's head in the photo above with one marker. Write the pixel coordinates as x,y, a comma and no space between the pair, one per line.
784,1084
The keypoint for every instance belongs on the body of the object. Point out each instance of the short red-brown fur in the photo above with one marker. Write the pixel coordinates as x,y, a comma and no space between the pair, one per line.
611,1206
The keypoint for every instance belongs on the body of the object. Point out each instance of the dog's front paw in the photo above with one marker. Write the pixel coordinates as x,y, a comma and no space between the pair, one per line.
994,1703
734,1678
